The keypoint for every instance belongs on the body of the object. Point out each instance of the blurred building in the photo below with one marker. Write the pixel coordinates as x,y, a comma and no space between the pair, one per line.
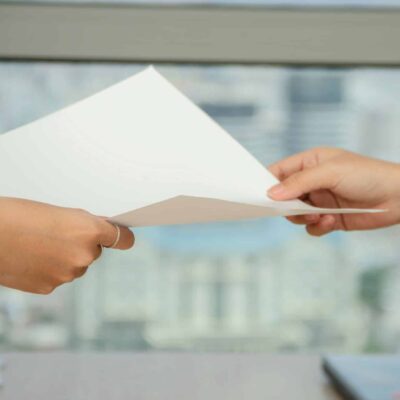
261,285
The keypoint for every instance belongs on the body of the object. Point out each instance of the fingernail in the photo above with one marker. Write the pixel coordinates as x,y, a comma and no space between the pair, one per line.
276,190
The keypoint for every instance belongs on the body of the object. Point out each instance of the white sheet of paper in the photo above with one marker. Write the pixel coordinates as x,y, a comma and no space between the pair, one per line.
143,154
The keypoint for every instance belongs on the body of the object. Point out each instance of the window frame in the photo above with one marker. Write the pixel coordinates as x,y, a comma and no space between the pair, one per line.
206,34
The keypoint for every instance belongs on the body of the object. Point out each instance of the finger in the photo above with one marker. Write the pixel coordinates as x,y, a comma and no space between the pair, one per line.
110,234
290,165
303,182
97,252
325,225
304,219
80,271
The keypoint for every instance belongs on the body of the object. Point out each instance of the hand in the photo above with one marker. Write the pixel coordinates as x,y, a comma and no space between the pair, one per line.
331,178
43,246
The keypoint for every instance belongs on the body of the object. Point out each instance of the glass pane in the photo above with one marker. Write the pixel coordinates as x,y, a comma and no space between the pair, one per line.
261,285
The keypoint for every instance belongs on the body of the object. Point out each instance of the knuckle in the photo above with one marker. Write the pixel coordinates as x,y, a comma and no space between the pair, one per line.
332,173
66,278
85,226
321,148
93,229
96,227
294,180
313,231
81,255
45,290
83,259
310,161
80,272
330,151
80,211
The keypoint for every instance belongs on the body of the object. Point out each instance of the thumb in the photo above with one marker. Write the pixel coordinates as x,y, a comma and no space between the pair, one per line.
303,182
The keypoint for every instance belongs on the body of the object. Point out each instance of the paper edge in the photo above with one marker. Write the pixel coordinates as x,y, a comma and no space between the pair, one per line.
290,211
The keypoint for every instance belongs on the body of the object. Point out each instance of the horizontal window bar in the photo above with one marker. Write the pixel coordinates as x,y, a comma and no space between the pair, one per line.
199,35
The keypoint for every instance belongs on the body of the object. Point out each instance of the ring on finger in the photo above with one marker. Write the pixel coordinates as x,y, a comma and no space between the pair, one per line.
117,238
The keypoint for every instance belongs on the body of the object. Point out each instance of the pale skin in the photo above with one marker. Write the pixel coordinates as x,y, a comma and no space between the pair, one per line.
43,246
332,178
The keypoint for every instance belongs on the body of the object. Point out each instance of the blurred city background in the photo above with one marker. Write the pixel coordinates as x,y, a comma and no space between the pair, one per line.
257,285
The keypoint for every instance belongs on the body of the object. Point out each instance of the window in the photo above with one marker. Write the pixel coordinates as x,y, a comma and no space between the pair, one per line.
279,75
259,285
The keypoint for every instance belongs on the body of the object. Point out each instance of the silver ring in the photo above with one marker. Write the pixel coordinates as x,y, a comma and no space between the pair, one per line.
116,241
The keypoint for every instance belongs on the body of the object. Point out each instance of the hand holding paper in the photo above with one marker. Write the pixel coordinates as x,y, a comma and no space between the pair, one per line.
331,177
44,246
143,154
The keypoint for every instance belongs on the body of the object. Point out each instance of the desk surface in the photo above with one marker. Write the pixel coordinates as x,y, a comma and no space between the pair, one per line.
166,376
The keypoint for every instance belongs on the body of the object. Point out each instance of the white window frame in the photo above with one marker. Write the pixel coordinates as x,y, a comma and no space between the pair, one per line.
169,34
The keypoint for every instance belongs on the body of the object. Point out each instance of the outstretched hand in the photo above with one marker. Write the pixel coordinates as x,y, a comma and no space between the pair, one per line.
333,178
